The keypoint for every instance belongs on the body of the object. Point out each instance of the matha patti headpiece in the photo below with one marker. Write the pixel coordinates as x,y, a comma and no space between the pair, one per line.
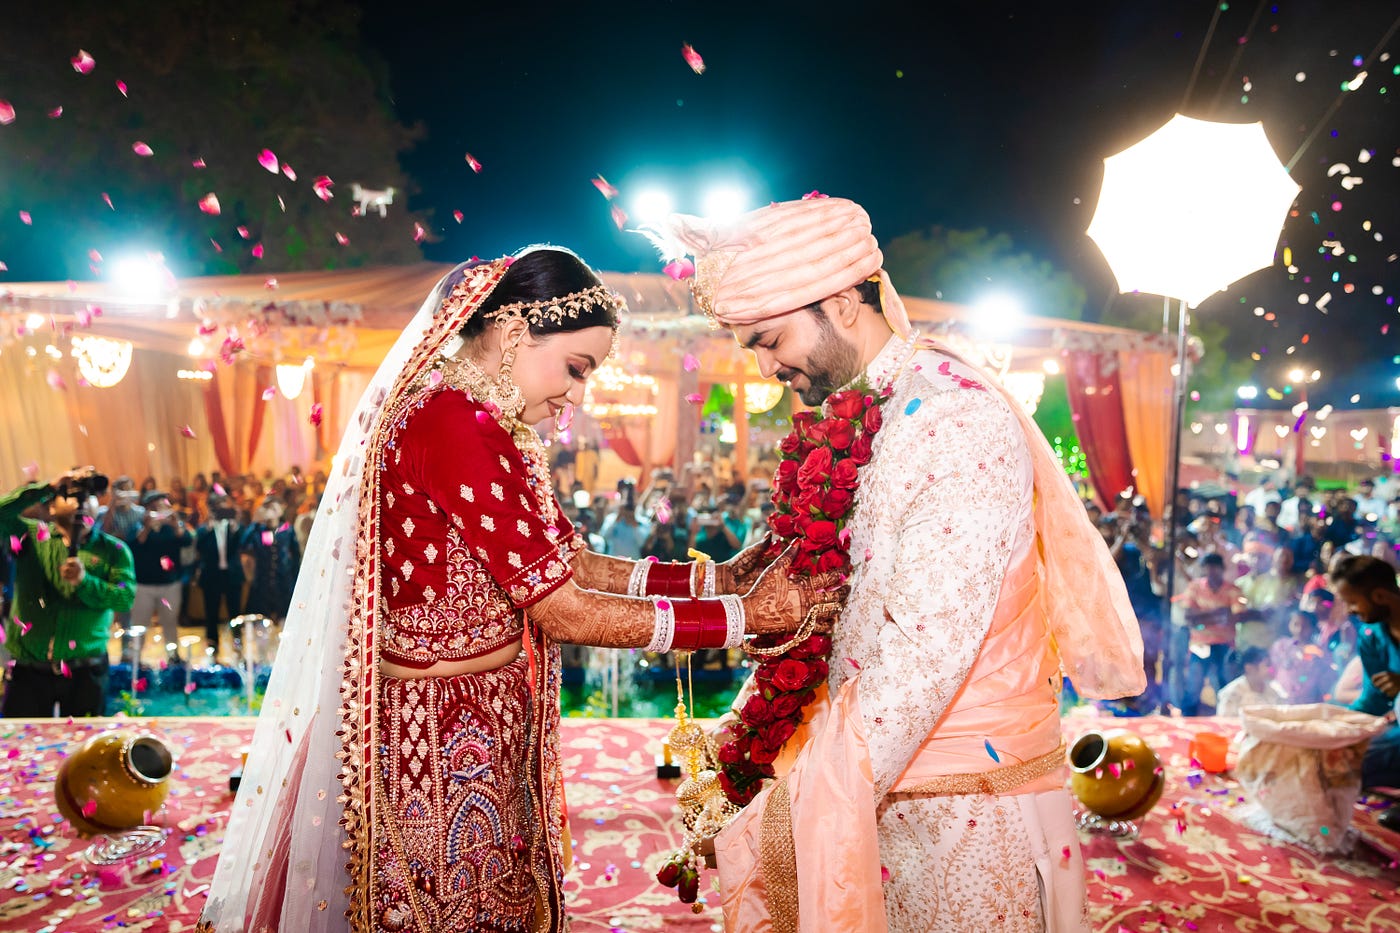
556,310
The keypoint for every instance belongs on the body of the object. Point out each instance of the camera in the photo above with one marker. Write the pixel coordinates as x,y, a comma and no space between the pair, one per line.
83,487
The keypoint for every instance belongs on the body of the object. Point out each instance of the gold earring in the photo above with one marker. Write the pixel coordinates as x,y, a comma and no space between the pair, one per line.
508,395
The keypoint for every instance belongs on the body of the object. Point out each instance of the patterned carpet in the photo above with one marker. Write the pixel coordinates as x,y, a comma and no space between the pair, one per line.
1206,875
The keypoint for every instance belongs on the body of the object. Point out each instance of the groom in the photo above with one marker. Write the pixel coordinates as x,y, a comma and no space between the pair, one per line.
931,796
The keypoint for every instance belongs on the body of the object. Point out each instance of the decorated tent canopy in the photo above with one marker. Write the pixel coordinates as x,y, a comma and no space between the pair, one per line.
224,371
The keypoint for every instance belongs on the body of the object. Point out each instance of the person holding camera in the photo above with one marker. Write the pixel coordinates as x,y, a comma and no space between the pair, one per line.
69,579
221,573
155,551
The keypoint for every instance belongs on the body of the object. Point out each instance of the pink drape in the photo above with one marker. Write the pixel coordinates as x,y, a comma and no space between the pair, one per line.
1096,402
620,445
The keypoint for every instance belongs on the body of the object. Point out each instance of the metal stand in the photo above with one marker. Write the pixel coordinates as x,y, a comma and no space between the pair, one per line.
1090,822
138,638
1178,411
128,846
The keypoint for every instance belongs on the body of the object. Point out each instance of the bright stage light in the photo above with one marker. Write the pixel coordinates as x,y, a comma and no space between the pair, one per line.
652,205
725,202
102,362
1248,393
142,276
291,378
997,315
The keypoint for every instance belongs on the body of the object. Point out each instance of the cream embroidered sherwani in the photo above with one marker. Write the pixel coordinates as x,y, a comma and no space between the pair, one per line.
944,508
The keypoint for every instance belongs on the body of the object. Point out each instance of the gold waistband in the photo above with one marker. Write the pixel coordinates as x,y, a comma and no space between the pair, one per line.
1000,780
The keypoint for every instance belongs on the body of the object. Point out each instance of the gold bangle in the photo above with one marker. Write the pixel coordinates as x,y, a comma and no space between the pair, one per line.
804,631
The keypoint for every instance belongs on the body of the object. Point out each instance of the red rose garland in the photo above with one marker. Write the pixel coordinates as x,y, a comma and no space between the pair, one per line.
814,493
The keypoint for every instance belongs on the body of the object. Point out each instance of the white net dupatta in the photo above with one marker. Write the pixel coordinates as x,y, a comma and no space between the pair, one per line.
302,708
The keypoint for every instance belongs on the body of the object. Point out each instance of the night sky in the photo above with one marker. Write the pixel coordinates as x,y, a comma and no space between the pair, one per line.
992,115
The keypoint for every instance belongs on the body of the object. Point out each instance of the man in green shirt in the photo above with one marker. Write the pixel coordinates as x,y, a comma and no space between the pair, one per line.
69,579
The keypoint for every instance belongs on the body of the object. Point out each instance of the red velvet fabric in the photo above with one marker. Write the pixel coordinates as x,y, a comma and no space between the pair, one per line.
218,428
1096,403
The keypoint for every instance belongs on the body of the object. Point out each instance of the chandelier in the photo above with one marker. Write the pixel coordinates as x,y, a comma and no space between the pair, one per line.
101,361
291,379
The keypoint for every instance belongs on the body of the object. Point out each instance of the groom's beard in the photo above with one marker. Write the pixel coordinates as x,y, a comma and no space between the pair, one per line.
834,363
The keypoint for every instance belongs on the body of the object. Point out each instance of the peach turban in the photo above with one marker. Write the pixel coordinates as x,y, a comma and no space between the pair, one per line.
780,258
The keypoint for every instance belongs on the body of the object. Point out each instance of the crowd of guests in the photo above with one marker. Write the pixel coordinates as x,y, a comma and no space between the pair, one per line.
1252,595
196,554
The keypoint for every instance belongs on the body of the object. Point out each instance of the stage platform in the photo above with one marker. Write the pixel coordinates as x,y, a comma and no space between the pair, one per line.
1211,875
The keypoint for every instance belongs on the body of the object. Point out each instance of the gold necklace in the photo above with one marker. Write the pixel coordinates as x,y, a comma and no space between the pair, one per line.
462,373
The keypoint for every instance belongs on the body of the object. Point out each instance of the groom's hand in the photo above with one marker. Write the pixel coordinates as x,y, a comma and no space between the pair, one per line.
741,572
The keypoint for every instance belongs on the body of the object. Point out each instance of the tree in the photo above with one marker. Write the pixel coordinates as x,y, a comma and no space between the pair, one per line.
207,87
964,265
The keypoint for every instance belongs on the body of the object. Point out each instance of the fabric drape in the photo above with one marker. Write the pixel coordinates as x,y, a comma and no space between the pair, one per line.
1096,402
218,429
1145,379
258,408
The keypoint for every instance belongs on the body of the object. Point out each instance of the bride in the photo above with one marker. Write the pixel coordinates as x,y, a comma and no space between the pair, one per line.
409,735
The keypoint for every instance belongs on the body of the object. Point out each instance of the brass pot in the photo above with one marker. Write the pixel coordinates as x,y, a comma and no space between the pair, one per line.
119,777
1115,774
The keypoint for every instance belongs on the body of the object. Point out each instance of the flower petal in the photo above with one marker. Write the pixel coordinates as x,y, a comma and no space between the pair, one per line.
121,86
55,113
7,113
679,269
257,251
187,431
693,59
269,394
289,171
607,190
476,166
690,362
209,204
317,414
268,160
142,149
457,216
83,63
322,187
619,217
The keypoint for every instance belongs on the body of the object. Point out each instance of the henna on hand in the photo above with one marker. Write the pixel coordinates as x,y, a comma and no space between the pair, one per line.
778,604
585,617
741,572
594,571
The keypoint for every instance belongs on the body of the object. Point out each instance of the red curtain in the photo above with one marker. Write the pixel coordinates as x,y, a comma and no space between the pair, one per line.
218,429
263,378
1096,401
620,445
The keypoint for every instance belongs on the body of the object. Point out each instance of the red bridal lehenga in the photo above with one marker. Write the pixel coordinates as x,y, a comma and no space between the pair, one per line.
442,796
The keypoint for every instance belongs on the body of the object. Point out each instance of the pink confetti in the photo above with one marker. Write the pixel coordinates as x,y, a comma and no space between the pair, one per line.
209,204
257,251
317,413
7,113
322,187
187,431
121,86
107,198
289,171
142,149
55,113
55,381
215,243
198,163
288,733
457,216
476,166
16,543
89,808
83,63
853,662
25,219
4,268
619,217
693,59
869,554
269,394
219,490
271,283
41,533
884,874
63,669
268,160
690,362
605,189
24,626
419,234
267,538
695,398
190,687
94,255
679,269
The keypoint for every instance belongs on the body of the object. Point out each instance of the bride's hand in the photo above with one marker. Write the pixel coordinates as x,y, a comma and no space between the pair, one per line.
740,572
777,603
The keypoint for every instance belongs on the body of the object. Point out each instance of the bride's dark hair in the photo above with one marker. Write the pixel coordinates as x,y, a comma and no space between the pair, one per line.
538,274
